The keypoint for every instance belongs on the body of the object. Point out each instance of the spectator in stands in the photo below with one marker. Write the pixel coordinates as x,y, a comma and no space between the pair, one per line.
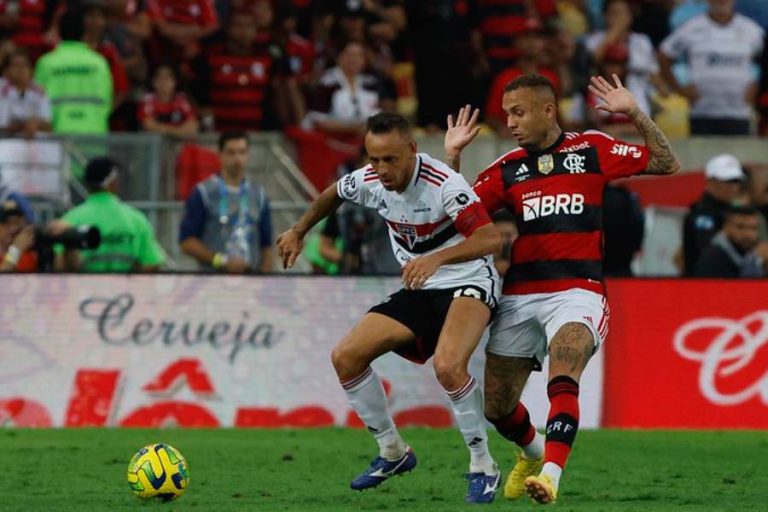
344,97
77,80
166,110
94,35
17,238
180,26
720,48
238,83
532,58
735,252
725,179
128,27
641,63
128,242
624,229
26,22
501,22
24,107
227,224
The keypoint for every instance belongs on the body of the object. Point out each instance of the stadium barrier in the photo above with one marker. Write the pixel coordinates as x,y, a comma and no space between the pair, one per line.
205,351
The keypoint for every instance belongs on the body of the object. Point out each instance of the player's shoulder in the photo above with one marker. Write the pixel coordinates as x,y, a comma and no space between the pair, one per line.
434,173
509,156
745,25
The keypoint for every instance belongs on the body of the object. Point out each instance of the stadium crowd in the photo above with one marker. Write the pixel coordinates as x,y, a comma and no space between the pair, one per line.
317,70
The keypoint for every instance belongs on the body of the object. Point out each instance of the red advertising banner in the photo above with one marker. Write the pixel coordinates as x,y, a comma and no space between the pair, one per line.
687,354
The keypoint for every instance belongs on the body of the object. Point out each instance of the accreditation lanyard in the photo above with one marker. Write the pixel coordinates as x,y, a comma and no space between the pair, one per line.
242,214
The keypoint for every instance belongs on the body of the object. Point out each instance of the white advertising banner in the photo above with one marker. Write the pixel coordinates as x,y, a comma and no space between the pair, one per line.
206,351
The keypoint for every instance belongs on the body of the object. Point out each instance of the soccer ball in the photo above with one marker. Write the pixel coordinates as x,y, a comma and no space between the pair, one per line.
158,471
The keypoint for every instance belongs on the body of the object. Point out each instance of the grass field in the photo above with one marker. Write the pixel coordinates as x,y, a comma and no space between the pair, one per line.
309,470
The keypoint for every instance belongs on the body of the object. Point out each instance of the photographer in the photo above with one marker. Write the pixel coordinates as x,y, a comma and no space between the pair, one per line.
17,239
128,242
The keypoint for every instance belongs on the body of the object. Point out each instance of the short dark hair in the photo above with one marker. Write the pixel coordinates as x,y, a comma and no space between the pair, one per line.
531,81
385,122
228,136
746,209
17,53
71,25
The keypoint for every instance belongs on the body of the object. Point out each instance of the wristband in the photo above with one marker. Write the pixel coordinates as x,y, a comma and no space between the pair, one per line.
13,255
219,260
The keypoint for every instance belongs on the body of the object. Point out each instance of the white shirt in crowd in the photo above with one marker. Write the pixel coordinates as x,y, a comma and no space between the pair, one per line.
17,106
720,60
642,64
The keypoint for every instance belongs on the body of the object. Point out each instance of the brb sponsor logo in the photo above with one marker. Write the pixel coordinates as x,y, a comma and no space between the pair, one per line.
540,206
625,150
733,355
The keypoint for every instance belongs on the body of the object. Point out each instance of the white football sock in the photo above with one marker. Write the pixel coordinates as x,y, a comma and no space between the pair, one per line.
535,449
553,471
467,405
367,398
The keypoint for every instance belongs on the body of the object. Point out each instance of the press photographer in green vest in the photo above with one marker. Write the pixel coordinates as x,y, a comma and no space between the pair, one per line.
128,241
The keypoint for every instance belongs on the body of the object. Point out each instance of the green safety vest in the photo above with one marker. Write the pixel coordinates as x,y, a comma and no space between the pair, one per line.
127,238
78,82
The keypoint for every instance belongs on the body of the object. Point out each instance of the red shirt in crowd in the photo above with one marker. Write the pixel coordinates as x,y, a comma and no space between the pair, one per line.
175,112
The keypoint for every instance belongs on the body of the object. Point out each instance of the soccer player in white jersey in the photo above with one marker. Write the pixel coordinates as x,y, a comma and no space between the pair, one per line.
443,238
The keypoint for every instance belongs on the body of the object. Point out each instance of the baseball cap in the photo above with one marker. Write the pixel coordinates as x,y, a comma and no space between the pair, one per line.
724,168
101,171
10,208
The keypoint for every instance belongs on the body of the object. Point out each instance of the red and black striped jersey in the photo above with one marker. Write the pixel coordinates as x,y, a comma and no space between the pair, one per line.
33,19
237,87
556,196
501,23
175,112
187,12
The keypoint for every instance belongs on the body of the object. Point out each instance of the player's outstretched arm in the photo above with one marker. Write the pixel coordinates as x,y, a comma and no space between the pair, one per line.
290,243
483,241
460,134
617,99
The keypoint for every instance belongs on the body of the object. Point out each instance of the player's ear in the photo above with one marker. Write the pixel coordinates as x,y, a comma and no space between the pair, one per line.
412,147
551,110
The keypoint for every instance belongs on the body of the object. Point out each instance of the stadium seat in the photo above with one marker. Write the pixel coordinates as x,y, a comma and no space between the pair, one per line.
194,164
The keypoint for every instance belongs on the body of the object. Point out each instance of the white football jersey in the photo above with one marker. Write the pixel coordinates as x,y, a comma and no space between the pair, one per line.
720,60
438,209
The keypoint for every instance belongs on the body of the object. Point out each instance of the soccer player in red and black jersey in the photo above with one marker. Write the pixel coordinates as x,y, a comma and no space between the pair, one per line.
553,294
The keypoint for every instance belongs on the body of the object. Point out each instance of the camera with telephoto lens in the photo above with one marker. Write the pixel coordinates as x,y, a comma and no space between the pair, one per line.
80,237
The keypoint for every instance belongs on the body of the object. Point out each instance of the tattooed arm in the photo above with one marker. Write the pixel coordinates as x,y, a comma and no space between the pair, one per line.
662,160
617,99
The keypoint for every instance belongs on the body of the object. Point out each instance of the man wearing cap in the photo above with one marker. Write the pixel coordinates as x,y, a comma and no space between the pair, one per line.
128,242
725,180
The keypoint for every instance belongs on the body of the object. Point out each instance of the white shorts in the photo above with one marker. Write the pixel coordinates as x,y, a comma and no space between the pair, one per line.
525,324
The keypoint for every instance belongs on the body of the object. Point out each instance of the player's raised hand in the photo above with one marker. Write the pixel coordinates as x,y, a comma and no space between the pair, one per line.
463,131
289,246
418,270
616,98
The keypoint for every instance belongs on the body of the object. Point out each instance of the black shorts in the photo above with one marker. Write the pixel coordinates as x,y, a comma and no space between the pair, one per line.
424,313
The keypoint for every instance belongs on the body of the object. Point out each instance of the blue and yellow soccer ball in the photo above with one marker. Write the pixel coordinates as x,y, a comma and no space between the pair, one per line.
158,471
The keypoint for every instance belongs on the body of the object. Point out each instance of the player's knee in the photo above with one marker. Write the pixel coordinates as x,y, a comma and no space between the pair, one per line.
451,373
346,363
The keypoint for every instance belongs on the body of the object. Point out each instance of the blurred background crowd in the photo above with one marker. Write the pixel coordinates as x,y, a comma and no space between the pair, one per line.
207,74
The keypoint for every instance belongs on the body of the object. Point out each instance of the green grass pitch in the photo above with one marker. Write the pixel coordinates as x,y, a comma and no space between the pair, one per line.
309,470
